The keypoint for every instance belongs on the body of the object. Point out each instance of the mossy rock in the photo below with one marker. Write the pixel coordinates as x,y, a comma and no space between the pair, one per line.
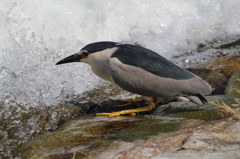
87,135
233,85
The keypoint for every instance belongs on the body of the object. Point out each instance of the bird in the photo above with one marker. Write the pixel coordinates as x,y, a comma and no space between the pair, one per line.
141,71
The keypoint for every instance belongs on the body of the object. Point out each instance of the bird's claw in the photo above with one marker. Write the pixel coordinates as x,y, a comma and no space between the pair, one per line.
131,112
132,101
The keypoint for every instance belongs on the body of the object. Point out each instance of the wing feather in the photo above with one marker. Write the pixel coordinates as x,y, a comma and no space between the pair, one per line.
150,61
139,81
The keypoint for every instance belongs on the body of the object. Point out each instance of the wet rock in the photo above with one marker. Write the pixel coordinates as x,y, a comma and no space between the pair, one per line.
233,85
88,135
219,144
227,65
102,93
163,143
213,77
194,111
53,142
224,140
187,154
131,137
28,123
163,130
219,44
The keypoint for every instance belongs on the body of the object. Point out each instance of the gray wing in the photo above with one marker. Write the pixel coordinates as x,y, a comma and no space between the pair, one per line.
150,61
139,81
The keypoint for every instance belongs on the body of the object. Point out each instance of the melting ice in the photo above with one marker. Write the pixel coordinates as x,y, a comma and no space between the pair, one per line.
36,34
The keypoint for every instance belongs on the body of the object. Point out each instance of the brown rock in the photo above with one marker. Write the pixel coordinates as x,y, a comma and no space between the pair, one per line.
227,139
203,154
233,85
226,65
213,77
164,143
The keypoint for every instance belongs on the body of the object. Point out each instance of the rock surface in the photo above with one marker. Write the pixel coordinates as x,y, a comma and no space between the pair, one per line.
199,155
213,77
209,145
227,65
174,142
175,128
233,85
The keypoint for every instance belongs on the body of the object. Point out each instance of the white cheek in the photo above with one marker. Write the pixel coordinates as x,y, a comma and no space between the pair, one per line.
85,60
91,60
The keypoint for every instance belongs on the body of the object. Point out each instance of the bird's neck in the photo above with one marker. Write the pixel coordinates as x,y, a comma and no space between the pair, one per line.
98,62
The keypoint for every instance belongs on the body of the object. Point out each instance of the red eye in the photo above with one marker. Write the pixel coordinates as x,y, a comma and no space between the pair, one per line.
85,54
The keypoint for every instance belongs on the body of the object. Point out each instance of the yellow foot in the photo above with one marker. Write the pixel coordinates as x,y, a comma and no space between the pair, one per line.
150,107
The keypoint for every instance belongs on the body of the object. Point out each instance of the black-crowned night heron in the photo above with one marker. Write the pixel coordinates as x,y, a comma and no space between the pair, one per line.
140,71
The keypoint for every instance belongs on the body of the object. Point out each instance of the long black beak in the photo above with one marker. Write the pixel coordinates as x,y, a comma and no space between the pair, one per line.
72,58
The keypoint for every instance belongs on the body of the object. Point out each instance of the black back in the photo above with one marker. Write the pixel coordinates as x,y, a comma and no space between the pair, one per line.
150,61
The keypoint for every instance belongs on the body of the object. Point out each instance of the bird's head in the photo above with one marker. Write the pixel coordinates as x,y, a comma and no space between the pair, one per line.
86,52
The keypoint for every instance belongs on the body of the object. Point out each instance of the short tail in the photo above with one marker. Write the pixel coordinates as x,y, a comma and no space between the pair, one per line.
198,99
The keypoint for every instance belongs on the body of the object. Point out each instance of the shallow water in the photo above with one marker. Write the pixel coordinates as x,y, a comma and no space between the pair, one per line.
36,34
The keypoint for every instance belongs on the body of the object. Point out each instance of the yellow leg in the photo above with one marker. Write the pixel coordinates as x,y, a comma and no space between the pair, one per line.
132,101
150,107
